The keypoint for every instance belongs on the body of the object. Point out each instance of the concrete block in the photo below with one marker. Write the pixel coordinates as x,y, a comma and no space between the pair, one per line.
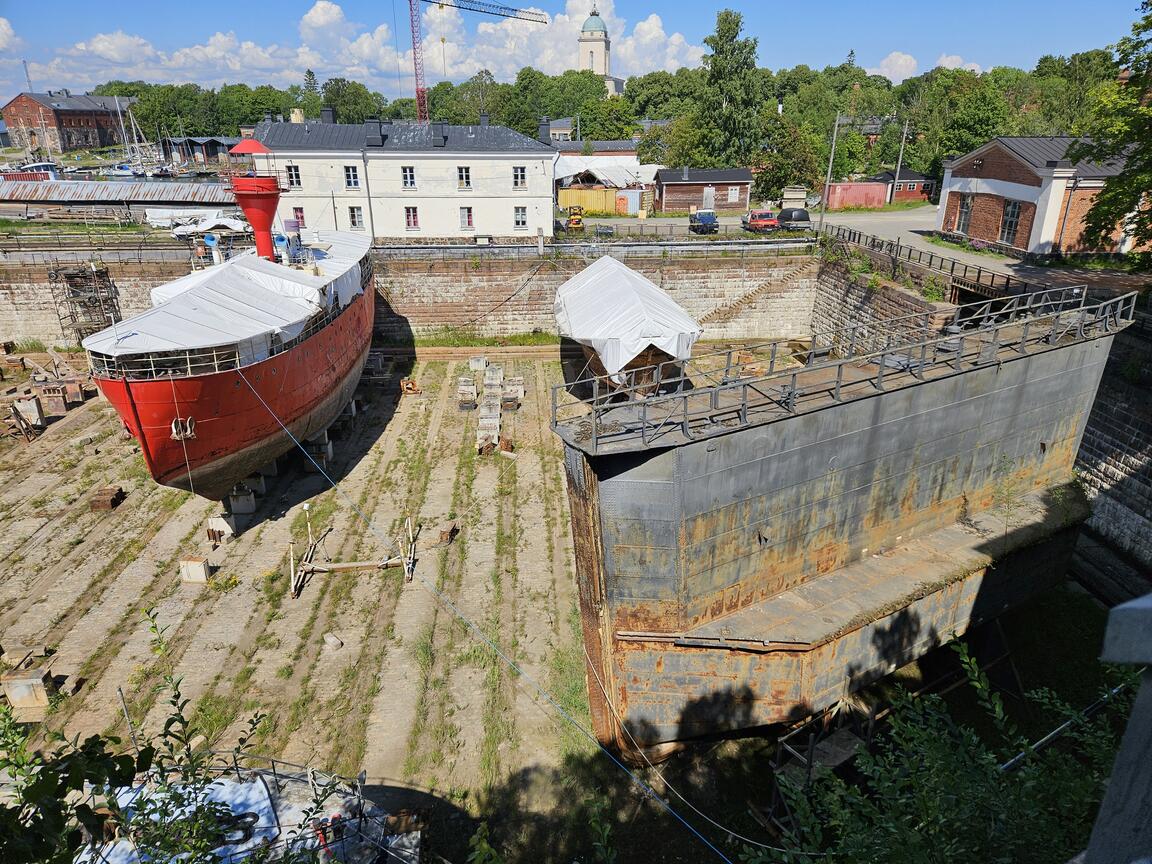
28,688
195,570
224,527
311,466
257,484
493,375
242,501
31,410
1128,638
351,409
318,440
272,469
477,364
322,451
333,641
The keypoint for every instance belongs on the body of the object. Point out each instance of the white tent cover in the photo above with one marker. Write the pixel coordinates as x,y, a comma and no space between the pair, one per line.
618,313
242,302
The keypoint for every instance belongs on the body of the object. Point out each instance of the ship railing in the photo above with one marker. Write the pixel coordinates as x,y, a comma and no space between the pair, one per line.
717,392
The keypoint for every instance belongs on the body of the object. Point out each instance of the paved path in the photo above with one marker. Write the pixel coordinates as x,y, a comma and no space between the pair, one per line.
911,227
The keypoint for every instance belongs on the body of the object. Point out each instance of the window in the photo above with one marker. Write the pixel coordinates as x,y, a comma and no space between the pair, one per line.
519,177
356,217
294,176
411,218
520,217
466,218
408,176
351,177
298,215
963,214
899,187
911,187
733,194
1010,222
926,187
463,177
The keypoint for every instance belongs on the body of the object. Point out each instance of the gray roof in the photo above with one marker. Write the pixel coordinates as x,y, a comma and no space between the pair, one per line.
200,139
624,145
58,101
1038,152
905,174
704,175
396,137
97,192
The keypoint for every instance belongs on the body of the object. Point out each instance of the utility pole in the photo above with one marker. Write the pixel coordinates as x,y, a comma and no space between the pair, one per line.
828,178
899,163
27,77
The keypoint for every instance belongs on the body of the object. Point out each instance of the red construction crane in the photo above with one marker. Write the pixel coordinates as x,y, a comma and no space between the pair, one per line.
469,5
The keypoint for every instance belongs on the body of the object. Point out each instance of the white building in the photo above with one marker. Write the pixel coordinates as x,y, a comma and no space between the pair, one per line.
411,181
596,52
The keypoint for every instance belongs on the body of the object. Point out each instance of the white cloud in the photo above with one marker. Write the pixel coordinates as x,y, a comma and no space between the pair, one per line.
331,45
9,41
324,25
118,47
955,61
896,67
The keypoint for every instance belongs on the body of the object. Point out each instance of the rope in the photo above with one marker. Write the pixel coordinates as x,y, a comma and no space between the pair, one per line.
496,649
183,443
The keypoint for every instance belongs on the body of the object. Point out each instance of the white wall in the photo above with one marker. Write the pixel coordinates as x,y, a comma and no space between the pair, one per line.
325,197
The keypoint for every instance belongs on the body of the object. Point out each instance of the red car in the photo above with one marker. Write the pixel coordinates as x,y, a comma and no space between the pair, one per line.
759,221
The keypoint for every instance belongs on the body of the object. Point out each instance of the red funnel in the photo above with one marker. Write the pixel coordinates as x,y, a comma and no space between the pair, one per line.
258,197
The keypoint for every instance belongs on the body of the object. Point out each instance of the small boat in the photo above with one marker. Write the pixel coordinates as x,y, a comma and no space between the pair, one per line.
237,361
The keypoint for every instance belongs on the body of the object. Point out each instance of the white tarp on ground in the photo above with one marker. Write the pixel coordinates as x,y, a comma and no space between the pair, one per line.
618,313
167,217
612,170
215,223
243,302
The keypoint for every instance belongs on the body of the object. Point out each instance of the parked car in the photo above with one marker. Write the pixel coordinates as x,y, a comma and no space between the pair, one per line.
794,219
704,222
759,220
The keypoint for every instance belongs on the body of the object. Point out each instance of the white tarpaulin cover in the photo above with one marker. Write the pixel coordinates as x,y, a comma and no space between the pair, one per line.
618,313
215,223
242,302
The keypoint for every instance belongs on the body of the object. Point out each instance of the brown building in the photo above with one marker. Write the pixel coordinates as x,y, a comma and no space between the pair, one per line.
57,121
912,185
1024,194
704,189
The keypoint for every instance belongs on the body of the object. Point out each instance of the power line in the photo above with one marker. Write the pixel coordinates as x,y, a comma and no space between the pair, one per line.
520,673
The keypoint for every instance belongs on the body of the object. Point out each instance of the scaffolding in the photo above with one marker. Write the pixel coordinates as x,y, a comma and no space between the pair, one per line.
86,298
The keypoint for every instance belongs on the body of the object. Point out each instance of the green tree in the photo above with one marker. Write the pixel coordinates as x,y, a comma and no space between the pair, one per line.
607,119
1121,122
789,158
731,103
351,101
311,100
568,93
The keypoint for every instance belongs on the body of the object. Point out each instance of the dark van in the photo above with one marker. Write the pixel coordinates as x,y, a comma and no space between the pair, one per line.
794,219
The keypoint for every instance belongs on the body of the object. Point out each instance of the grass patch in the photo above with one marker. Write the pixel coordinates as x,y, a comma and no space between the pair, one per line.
975,246
893,207
453,337
566,681
31,346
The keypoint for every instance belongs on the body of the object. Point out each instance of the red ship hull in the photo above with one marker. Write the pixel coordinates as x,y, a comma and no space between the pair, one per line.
237,431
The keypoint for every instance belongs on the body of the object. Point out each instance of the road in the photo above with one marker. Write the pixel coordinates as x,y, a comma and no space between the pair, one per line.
912,228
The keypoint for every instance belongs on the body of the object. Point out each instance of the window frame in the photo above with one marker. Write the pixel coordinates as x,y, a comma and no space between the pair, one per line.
518,211
963,214
463,177
356,217
468,224
298,215
292,173
521,181
411,218
733,195
1014,219
351,177
407,173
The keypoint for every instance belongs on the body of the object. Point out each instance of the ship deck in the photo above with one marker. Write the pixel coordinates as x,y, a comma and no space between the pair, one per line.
720,393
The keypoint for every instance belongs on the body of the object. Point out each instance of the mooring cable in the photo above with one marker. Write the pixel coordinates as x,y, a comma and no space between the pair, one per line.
520,673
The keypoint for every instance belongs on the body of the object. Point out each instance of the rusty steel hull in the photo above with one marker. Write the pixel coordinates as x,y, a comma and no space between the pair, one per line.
688,558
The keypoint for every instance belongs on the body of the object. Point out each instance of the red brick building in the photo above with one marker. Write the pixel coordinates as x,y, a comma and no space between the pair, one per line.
912,185
1024,194
57,121
704,189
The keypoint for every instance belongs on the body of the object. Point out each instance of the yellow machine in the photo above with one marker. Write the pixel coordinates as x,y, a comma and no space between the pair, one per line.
575,218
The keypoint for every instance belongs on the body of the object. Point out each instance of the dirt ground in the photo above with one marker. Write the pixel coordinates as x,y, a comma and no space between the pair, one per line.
412,696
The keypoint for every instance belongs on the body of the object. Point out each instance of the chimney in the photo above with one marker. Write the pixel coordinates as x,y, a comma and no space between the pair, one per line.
543,131
684,172
327,115
258,197
267,116
439,139
372,136
279,118
297,116
484,119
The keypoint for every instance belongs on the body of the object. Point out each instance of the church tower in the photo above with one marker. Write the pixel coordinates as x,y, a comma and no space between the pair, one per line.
596,52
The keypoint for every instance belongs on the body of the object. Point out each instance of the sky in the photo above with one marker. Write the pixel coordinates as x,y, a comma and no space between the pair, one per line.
78,45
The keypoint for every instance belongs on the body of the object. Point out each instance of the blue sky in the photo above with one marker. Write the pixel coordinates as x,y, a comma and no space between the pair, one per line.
77,45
